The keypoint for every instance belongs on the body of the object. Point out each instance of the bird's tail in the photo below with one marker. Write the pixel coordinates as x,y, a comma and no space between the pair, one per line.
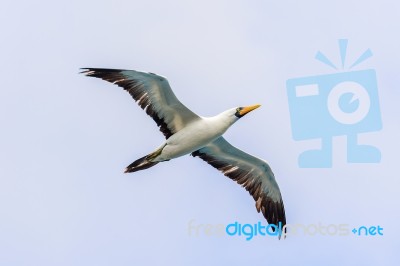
144,162
140,164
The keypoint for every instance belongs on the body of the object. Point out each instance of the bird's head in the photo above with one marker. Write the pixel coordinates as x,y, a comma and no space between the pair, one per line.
233,115
242,111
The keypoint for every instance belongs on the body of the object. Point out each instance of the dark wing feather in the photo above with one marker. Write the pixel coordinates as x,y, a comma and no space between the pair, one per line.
253,174
152,93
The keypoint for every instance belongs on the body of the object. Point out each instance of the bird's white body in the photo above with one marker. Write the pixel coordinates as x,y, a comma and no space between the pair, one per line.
196,135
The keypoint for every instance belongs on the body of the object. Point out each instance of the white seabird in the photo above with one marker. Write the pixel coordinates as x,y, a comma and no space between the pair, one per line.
188,133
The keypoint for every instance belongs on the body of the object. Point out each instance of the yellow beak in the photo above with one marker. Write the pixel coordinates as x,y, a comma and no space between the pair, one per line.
247,109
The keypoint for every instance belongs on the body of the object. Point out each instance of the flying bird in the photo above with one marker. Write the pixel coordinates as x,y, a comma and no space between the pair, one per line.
189,133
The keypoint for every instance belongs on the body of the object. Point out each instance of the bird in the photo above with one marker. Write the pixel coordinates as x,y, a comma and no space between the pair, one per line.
188,133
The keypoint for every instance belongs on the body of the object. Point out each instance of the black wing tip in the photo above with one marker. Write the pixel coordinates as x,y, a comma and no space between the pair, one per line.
275,214
93,71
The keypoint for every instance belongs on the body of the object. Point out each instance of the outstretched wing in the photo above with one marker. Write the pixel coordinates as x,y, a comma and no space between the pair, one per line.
152,93
252,173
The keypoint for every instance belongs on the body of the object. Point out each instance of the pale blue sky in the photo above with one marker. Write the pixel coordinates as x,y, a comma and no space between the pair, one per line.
66,139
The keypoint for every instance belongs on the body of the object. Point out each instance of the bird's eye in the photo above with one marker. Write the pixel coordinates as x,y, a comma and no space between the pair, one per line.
237,114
